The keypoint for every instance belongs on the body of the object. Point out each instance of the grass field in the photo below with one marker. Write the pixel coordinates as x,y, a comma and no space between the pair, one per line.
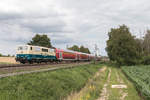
140,76
50,85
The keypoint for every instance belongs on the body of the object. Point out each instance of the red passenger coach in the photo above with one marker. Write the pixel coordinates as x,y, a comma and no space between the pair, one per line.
65,54
91,57
68,55
84,56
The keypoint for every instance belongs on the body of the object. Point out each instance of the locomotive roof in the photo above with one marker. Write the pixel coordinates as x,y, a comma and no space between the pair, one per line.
35,46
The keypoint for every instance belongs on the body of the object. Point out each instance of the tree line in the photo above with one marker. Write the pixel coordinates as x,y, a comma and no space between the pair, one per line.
79,49
45,41
126,49
1,55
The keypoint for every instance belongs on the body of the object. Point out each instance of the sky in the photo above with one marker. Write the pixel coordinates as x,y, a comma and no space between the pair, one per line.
69,22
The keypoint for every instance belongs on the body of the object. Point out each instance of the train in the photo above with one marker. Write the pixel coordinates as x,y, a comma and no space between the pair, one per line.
37,54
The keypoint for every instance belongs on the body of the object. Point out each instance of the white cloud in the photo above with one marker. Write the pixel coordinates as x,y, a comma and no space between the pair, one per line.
68,22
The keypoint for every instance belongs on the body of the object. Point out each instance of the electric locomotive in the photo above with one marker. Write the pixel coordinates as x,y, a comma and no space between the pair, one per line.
30,54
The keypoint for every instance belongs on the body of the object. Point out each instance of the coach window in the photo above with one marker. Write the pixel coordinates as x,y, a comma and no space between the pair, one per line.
30,48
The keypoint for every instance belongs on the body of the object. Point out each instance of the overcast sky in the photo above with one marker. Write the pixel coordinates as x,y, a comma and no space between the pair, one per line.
68,22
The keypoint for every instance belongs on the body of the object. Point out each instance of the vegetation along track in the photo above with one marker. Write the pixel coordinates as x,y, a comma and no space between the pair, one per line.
48,85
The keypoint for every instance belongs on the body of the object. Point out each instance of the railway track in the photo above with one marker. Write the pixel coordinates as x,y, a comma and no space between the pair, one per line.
30,65
23,65
27,71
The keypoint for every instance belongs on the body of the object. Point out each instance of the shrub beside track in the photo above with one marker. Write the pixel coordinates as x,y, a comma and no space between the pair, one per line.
50,85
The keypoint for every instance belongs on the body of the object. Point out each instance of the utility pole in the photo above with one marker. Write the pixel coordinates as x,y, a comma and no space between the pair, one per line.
141,41
67,46
96,49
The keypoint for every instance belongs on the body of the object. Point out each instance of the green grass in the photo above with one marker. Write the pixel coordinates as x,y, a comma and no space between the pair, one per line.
98,82
140,76
131,90
50,85
94,87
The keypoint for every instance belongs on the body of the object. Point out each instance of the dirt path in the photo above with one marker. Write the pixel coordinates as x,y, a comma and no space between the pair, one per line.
117,87
123,94
104,95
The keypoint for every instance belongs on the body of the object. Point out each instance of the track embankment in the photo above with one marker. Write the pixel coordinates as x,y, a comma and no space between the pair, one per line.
11,71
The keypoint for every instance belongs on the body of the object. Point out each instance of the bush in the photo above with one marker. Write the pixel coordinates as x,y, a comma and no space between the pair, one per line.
146,60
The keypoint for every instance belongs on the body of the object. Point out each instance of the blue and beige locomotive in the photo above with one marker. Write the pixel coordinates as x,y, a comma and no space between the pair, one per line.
30,54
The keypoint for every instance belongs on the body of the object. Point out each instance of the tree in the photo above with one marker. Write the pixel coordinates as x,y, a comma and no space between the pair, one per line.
74,48
139,46
1,55
8,55
146,43
79,49
121,46
87,51
40,40
84,50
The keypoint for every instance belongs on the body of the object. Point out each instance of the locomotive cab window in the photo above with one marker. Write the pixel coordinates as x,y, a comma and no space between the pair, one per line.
23,48
44,50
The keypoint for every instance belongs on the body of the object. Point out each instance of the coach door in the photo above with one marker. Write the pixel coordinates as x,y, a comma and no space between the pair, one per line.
78,56
60,55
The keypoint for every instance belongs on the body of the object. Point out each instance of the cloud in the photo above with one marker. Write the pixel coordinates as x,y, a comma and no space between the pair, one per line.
68,22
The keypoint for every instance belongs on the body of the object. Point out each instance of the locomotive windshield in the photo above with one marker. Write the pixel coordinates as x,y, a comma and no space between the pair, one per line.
22,48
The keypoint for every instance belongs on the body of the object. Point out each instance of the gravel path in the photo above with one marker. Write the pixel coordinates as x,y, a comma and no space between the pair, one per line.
104,95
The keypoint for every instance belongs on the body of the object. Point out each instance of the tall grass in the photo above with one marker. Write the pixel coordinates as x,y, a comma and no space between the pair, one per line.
50,85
